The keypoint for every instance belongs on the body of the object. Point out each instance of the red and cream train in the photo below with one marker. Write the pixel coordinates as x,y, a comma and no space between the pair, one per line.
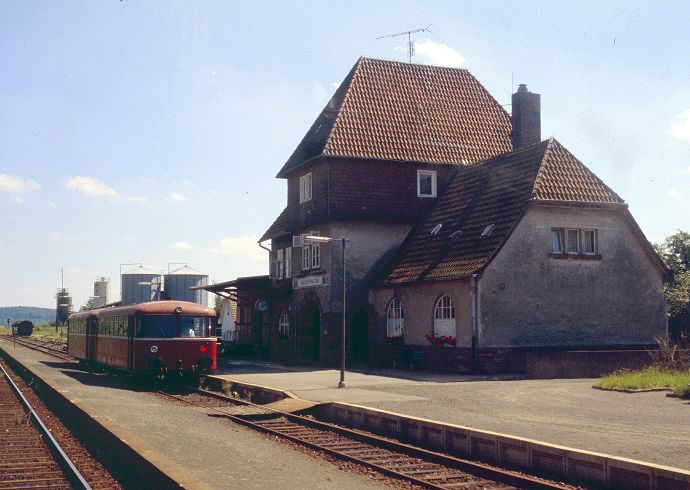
156,337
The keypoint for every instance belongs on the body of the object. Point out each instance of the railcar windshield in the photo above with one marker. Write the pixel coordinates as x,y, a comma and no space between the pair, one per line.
168,326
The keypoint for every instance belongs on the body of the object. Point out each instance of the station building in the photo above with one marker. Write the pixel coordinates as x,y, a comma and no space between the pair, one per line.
469,239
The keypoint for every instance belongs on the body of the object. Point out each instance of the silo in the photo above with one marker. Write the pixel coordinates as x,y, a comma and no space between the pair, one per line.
139,285
63,306
101,292
178,282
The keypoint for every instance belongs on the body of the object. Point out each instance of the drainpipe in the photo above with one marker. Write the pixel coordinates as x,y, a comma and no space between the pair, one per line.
475,320
265,248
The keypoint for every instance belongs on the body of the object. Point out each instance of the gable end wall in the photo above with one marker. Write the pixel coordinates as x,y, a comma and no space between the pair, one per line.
529,299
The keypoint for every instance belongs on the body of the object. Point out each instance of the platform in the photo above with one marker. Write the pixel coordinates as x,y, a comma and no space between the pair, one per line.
198,451
568,412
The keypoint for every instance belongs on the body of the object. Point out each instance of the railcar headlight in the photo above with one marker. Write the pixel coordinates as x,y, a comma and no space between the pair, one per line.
154,349
203,349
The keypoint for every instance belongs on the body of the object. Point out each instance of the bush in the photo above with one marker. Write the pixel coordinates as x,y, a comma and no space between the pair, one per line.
669,355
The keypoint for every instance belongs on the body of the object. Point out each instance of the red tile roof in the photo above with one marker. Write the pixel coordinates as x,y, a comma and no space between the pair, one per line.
406,112
484,203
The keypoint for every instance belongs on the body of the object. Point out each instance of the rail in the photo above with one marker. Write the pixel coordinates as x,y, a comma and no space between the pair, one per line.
392,458
71,473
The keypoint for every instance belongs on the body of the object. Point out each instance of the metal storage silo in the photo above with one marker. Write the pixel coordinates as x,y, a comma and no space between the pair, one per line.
139,285
101,292
63,306
178,282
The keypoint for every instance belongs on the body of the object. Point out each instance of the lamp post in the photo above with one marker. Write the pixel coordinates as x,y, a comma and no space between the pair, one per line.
324,239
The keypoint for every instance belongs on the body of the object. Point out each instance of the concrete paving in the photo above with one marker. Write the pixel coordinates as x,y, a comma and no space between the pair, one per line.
196,450
643,426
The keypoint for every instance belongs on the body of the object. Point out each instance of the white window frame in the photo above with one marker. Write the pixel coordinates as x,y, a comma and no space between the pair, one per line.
558,240
561,241
305,188
595,243
279,264
444,317
315,256
284,323
395,319
571,233
288,262
432,174
306,257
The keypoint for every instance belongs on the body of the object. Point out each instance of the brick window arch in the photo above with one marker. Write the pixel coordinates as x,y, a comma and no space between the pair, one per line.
444,317
395,319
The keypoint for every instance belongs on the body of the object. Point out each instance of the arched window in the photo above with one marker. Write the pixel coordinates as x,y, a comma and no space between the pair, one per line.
284,324
395,319
444,318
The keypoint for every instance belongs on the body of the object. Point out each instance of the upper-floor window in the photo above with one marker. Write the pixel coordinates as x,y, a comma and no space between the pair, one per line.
279,264
426,183
288,262
573,241
315,256
395,319
305,188
306,257
589,242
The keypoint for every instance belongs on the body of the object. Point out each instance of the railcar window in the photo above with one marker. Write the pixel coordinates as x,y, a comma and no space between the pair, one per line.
193,326
162,326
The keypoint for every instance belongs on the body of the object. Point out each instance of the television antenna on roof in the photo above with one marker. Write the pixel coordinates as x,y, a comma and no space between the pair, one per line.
410,42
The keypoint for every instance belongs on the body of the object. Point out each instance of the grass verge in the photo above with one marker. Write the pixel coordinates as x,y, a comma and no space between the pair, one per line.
47,331
647,378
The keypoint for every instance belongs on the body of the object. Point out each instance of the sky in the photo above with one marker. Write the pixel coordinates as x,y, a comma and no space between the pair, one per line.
151,132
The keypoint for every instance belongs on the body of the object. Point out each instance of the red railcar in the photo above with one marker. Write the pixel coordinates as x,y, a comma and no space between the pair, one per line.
155,337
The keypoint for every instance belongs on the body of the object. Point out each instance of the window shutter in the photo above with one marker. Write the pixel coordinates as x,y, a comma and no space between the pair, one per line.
272,266
297,240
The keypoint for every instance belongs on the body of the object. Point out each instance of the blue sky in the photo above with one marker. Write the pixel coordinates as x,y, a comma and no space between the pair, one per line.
152,131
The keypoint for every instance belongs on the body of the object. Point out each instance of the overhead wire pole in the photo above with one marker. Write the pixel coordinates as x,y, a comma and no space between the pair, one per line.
410,43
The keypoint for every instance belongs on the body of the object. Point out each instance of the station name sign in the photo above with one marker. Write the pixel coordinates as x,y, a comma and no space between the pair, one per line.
310,281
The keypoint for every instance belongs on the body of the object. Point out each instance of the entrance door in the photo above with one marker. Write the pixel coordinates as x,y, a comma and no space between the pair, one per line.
91,339
360,336
310,334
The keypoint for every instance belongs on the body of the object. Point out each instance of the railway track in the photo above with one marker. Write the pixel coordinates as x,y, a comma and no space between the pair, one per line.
427,469
30,457
52,347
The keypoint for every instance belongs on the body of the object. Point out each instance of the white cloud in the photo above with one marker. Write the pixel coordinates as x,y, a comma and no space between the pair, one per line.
438,54
13,184
181,246
94,188
18,200
681,128
175,196
335,85
675,194
91,187
55,235
243,247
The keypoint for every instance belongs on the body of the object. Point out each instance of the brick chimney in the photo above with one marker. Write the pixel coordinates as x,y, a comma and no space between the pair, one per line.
526,117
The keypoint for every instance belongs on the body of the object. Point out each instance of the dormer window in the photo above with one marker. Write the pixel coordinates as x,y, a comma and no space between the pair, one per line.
305,188
426,183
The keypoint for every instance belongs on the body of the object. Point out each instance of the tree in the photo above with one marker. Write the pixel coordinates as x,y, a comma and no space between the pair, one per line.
675,252
89,305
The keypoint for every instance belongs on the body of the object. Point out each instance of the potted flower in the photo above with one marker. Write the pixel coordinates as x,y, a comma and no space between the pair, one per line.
441,340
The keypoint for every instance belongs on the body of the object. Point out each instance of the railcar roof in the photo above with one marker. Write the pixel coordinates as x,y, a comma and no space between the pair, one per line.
151,308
